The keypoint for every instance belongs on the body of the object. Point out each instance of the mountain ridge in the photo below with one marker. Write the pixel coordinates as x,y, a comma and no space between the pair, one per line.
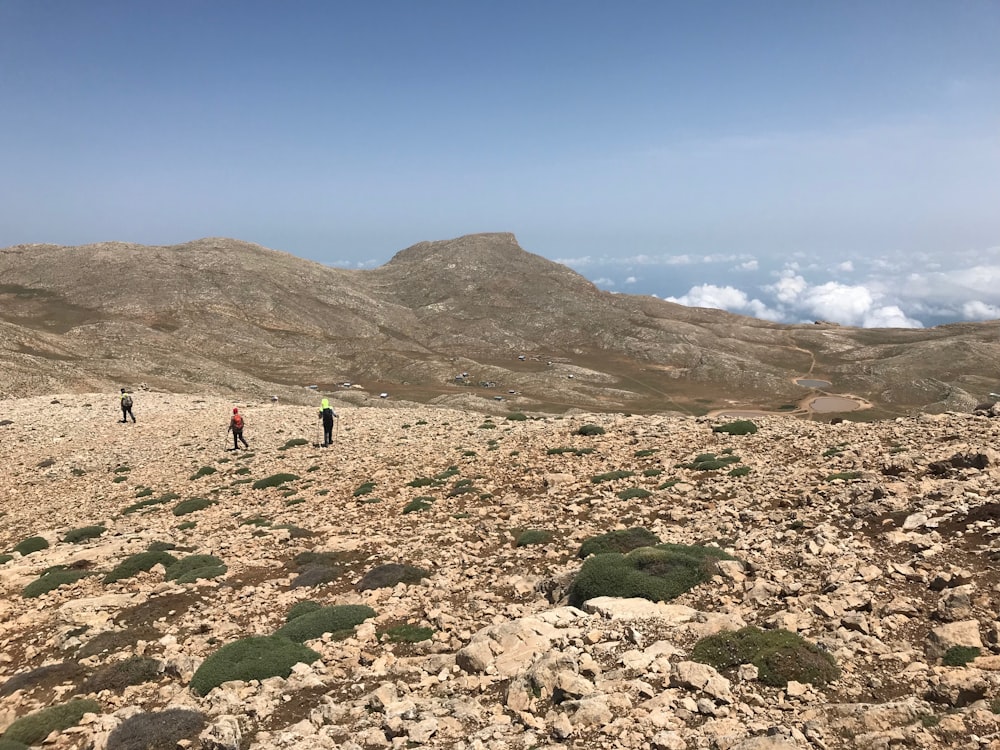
227,315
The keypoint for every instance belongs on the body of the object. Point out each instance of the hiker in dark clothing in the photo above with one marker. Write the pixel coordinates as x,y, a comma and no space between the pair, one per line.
236,427
328,415
127,407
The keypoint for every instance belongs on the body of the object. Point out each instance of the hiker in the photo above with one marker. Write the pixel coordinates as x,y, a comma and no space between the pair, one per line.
236,427
127,407
328,415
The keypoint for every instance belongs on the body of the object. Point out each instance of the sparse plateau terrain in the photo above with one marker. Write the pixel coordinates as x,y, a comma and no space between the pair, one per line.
549,534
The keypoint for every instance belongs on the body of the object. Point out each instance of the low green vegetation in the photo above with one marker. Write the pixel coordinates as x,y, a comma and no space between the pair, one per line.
418,504
533,536
256,658
779,655
302,608
118,675
658,573
164,498
192,505
340,621
157,730
633,493
740,471
645,453
31,544
710,462
959,656
365,488
194,568
82,534
275,480
589,430
35,727
620,540
391,574
612,476
51,580
739,427
516,416
293,443
139,563
204,471
405,634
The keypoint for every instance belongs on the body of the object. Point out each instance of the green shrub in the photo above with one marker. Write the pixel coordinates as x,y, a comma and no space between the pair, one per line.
52,579
194,568
559,451
424,482
835,451
740,471
256,658
157,730
959,656
293,443
656,573
739,427
256,521
116,676
590,429
294,532
138,563
12,745
143,492
645,453
204,471
633,493
405,634
364,489
516,417
487,425
462,487
82,534
621,540
164,498
447,473
35,727
4,559
710,462
418,504
275,480
652,472
533,536
391,574
339,621
186,525
191,505
845,475
302,608
31,544
779,655
611,476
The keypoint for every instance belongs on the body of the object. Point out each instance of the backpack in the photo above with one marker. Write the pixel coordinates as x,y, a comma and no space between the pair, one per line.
127,401
237,421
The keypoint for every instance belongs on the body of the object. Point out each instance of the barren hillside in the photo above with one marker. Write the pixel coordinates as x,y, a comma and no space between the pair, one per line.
465,321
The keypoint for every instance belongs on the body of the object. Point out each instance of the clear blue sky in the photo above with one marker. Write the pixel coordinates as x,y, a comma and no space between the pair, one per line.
817,140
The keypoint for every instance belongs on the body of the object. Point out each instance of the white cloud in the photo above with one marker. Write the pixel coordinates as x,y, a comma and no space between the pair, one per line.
631,280
726,298
847,266
978,310
750,265
788,287
604,282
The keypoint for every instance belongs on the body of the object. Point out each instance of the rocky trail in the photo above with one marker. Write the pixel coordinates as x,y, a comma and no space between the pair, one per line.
877,542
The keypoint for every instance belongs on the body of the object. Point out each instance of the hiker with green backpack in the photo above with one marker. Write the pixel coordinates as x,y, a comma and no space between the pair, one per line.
327,413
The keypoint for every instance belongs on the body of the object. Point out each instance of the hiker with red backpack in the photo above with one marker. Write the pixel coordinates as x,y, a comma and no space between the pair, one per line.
236,427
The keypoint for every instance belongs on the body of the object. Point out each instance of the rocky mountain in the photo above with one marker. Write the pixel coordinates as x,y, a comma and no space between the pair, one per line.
464,322
435,577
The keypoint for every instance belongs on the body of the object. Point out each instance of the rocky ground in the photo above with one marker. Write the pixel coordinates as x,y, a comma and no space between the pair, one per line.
887,568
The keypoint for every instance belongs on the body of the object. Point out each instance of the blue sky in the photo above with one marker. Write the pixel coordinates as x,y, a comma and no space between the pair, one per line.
790,160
